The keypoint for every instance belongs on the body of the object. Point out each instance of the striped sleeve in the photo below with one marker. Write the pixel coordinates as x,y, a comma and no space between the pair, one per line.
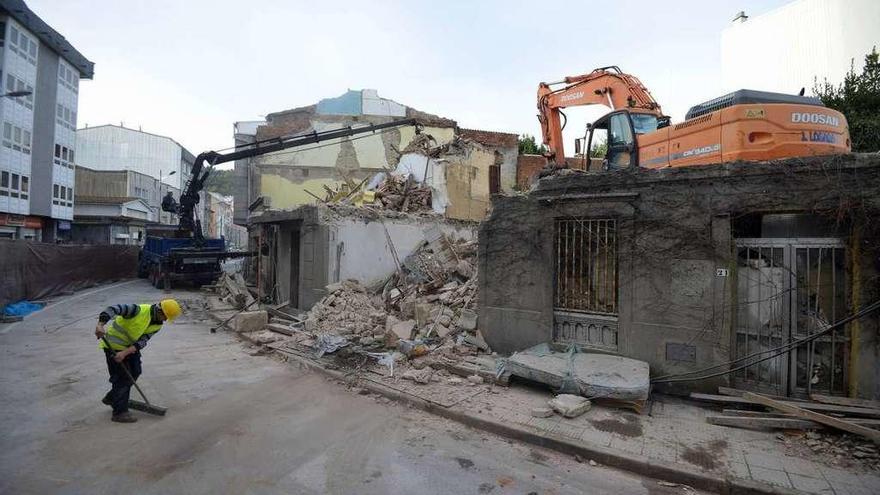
123,310
142,342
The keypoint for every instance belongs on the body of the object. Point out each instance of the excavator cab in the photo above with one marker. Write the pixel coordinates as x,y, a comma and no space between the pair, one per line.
620,131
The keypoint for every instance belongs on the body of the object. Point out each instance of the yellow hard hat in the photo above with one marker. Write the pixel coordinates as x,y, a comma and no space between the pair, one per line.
170,308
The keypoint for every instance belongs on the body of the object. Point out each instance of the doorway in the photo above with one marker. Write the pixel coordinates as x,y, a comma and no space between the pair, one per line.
293,296
788,289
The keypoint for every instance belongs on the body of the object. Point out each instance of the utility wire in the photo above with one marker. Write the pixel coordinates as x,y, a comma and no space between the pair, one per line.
681,377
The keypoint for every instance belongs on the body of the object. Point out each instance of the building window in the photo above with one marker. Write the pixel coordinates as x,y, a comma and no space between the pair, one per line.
23,45
64,156
62,195
15,84
65,117
16,138
68,77
586,265
14,185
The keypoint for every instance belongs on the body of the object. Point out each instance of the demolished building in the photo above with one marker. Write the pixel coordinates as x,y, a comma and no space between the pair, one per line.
695,267
357,207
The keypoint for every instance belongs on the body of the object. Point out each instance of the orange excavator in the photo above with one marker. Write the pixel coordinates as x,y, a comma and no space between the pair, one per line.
743,125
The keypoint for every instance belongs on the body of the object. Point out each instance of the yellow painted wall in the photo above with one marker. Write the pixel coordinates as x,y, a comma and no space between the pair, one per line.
467,185
370,152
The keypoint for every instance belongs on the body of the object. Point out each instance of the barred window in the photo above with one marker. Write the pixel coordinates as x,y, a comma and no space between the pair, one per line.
586,265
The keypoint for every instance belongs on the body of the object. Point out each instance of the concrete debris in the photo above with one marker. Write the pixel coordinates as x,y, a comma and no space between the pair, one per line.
264,337
541,412
233,290
454,381
250,321
404,194
422,376
475,379
570,406
591,375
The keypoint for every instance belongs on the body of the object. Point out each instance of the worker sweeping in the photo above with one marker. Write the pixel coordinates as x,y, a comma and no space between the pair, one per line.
132,326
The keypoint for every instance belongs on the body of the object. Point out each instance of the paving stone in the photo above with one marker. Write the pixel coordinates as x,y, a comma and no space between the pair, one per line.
852,489
764,461
809,485
803,467
835,476
739,470
772,476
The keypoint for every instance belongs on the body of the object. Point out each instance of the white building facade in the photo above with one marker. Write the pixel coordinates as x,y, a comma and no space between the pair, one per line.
112,147
37,130
799,44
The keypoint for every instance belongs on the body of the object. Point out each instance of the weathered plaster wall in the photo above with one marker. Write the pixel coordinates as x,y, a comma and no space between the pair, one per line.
675,229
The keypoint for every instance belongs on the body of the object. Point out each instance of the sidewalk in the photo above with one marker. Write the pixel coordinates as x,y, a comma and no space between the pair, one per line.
670,441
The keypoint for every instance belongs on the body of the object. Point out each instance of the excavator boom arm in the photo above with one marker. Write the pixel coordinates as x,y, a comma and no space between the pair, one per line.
205,162
604,86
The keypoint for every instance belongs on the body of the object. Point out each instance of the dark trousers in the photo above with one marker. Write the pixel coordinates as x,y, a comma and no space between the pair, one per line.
118,395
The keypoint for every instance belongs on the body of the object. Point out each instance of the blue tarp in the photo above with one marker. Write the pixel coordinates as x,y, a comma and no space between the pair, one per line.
22,308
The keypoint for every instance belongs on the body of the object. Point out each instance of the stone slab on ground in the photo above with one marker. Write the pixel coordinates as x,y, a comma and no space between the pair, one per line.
250,321
593,375
570,406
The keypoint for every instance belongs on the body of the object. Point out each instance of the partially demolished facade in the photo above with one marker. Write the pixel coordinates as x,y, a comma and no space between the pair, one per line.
461,167
696,267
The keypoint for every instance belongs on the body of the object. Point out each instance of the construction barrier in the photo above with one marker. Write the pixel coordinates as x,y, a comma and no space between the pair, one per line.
35,270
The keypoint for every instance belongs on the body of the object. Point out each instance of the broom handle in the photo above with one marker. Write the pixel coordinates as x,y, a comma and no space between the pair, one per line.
124,367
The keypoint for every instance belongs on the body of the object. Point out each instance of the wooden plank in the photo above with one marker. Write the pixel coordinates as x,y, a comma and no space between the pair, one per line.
787,423
282,329
845,401
736,392
777,414
812,406
873,435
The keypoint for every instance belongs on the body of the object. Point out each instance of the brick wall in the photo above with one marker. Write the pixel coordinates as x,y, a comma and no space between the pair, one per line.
527,167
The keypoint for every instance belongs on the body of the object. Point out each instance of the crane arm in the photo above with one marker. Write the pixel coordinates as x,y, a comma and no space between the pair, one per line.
604,86
205,162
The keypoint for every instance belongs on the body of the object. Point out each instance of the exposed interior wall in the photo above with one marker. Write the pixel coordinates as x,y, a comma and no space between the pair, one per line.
675,231
358,248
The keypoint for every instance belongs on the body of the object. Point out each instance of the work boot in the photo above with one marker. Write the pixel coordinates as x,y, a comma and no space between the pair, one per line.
125,417
106,401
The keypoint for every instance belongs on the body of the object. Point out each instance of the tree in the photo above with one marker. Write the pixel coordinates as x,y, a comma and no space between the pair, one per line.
858,98
599,150
528,146
220,182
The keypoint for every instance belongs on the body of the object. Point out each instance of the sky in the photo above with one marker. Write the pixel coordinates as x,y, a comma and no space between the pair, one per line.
189,69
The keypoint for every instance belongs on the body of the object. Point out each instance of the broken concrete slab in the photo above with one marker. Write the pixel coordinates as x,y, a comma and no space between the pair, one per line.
570,406
467,320
250,321
403,329
588,374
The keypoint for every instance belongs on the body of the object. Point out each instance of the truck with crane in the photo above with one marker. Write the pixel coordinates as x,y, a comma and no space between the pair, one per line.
182,253
744,125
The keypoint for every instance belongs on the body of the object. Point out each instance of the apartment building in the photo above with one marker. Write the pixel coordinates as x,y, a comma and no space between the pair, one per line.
40,72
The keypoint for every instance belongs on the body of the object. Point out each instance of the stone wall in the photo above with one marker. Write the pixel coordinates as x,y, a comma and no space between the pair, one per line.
676,227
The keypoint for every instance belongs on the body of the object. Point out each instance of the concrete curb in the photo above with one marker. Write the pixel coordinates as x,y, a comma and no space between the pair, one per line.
609,457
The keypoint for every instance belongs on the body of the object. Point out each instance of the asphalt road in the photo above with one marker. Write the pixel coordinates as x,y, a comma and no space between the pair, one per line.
237,423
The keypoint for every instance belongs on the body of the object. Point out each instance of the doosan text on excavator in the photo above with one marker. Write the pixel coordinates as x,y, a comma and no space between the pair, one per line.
744,125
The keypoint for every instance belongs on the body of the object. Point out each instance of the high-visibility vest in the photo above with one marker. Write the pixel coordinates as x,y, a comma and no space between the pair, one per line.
124,332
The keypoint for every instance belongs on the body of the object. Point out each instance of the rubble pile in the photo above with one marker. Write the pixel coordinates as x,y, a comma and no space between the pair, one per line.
835,449
403,194
423,308
346,310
